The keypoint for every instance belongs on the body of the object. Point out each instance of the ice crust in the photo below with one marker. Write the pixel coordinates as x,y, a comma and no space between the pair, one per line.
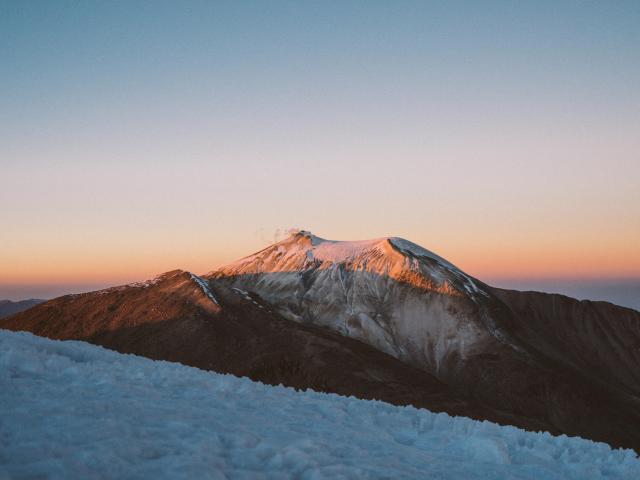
75,410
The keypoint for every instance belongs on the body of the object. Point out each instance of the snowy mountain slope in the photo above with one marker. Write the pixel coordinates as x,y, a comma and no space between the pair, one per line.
73,410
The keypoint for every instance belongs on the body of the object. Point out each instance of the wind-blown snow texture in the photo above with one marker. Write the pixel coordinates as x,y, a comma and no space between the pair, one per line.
74,410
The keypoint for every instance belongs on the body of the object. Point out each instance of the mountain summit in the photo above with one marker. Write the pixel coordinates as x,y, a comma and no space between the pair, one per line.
394,257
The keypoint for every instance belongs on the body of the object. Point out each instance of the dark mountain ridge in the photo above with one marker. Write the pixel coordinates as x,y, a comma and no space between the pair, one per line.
8,307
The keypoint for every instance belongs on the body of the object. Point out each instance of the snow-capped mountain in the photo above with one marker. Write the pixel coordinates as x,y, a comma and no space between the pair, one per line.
382,319
388,292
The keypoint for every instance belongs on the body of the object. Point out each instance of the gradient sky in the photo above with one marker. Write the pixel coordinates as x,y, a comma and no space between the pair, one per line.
138,137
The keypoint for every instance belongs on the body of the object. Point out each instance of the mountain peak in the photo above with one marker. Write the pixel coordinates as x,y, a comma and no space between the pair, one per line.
334,251
392,257
339,251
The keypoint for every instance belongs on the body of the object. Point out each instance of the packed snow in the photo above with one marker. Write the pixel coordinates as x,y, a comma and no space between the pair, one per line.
74,410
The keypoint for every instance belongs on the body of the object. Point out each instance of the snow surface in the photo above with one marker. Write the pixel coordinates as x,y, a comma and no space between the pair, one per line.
74,410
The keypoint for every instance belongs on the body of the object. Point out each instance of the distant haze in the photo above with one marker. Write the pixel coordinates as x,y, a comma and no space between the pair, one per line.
624,292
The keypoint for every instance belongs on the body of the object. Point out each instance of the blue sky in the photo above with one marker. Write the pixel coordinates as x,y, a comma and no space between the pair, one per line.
142,136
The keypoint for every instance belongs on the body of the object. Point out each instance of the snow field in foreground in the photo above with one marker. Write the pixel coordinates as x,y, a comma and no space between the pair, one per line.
73,410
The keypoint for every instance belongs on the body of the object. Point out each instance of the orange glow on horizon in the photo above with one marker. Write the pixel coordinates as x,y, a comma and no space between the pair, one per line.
113,267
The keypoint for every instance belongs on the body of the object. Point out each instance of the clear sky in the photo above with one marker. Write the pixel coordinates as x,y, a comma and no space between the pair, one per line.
138,137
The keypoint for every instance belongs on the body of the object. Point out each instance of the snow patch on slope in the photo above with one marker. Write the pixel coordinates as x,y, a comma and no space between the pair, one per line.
75,410
205,287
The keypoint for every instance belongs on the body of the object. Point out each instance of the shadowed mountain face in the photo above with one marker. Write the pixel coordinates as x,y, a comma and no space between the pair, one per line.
7,307
380,319
599,339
